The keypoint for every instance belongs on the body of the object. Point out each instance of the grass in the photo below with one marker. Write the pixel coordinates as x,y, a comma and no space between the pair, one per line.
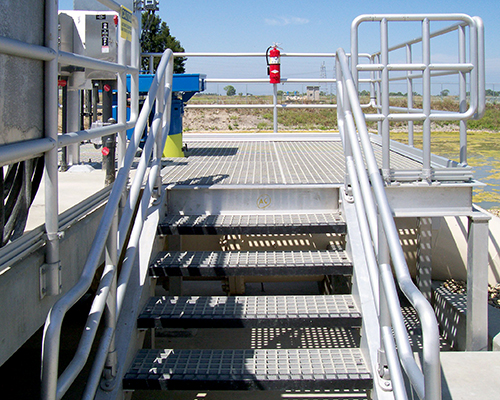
324,119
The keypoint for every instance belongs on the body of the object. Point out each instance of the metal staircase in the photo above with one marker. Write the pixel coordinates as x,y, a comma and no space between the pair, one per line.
350,185
316,368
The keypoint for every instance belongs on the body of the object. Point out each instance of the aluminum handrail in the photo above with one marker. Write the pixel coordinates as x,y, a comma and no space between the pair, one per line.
51,388
274,106
381,67
427,384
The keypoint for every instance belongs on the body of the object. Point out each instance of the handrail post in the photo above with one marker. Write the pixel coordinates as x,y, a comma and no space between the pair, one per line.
275,108
52,265
122,100
160,108
409,86
384,41
462,94
426,93
384,317
111,256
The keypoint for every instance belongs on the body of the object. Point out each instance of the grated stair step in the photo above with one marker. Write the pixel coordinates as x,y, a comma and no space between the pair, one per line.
250,224
251,263
263,369
250,312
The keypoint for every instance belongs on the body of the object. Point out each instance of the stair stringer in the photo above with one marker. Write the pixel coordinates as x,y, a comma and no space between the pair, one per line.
129,339
362,291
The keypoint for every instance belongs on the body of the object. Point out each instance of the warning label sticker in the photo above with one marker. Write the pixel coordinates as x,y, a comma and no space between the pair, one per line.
126,23
105,37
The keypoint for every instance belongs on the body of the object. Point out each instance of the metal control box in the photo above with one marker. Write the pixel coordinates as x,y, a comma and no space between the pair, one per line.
92,34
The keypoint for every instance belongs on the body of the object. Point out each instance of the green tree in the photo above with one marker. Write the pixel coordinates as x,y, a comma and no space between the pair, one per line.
230,90
444,93
156,38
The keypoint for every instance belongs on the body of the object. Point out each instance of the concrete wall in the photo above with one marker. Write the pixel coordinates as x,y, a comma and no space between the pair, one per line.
20,299
21,80
449,247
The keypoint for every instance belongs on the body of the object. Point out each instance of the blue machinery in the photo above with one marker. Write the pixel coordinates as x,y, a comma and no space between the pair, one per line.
185,86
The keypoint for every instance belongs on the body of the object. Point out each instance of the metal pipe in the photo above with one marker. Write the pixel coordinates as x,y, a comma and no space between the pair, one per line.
88,335
462,95
261,106
88,62
432,373
365,228
111,259
398,384
160,104
386,149
87,134
480,68
275,108
409,90
370,207
122,100
404,349
94,377
52,258
26,150
18,48
53,324
426,100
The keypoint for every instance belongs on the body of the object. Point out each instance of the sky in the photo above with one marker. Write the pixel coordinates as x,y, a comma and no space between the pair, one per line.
314,26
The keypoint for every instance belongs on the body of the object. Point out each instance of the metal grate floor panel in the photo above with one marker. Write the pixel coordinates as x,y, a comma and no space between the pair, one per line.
250,311
240,224
251,263
266,163
248,370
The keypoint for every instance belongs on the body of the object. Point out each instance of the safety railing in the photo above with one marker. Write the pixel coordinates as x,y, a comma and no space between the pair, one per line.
283,80
111,239
471,69
112,232
378,227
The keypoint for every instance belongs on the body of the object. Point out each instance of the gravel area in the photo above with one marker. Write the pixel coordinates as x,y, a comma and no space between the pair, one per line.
460,287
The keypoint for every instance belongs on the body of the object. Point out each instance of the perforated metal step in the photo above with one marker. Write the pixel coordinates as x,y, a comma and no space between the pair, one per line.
248,370
250,311
251,263
265,224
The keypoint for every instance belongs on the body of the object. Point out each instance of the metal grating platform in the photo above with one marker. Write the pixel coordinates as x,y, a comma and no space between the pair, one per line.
251,263
248,370
250,311
231,162
241,224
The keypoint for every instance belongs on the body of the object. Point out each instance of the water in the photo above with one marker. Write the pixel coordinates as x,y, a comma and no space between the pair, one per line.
483,155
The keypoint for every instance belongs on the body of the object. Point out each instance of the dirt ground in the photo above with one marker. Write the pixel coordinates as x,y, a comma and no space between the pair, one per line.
209,120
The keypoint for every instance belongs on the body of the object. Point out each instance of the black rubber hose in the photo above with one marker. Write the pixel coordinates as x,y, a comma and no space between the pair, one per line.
18,192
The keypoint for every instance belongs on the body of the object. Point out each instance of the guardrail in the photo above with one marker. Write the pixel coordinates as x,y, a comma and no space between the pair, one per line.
380,68
111,234
275,105
372,206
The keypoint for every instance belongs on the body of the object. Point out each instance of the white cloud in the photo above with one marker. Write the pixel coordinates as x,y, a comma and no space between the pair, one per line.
282,21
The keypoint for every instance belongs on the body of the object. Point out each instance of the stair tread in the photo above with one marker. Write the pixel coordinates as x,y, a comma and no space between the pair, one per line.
256,369
224,224
250,311
250,263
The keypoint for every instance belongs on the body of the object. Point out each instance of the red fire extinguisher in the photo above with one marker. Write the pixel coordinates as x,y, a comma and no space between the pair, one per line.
273,58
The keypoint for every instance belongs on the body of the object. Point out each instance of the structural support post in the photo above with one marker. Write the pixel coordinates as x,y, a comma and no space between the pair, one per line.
384,50
426,100
51,269
384,258
275,108
424,250
74,107
477,283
